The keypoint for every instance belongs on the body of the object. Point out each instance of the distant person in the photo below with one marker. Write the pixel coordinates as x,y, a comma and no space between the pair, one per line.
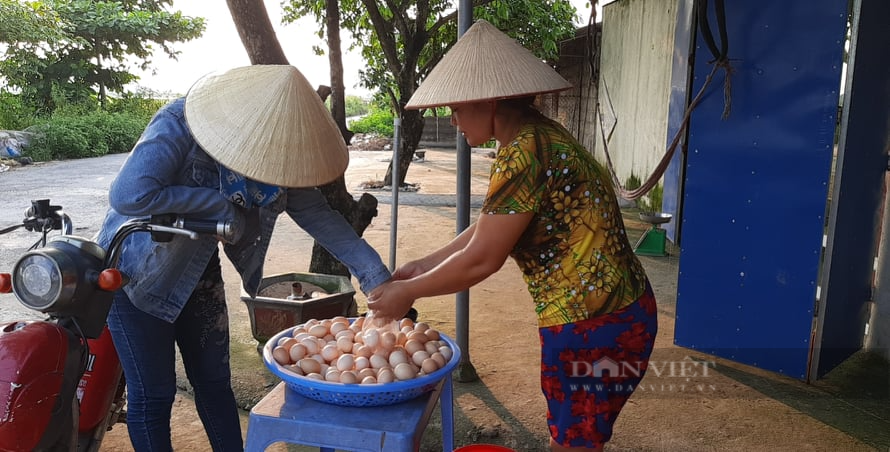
244,145
552,208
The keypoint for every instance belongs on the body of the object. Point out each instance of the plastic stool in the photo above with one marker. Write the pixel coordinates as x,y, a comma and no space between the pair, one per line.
284,415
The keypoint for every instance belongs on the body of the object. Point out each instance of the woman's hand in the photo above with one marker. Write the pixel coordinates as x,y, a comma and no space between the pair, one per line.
390,301
408,271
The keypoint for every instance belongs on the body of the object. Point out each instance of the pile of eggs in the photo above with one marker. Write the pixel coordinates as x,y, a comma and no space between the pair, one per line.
336,351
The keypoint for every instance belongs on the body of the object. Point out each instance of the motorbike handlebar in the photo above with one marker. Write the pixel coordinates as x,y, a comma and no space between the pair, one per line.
223,229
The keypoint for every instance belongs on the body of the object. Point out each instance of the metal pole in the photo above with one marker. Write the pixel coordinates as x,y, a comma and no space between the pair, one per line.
465,370
393,230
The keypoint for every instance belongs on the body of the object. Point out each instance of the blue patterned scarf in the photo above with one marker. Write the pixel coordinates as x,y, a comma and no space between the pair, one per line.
245,192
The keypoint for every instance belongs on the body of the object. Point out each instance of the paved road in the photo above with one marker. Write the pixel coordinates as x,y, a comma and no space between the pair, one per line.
79,186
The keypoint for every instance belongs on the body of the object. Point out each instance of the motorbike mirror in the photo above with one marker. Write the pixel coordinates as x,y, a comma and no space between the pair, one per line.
5,283
110,280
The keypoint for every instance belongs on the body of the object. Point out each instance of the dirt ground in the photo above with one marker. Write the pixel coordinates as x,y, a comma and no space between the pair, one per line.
716,405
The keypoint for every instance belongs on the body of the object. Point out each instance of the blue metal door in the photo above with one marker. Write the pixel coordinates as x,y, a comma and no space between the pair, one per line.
858,191
756,184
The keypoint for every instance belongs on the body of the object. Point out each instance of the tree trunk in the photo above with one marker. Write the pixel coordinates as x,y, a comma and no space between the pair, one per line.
335,59
258,37
412,128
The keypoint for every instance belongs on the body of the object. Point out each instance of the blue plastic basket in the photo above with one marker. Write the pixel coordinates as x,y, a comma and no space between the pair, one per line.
342,394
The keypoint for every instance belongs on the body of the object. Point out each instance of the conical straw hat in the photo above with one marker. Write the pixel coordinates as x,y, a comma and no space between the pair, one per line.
267,123
485,64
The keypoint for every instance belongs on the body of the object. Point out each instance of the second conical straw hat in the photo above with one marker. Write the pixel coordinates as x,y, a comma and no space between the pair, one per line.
267,123
485,64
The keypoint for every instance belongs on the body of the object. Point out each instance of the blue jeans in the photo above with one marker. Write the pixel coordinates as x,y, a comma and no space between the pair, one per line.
146,344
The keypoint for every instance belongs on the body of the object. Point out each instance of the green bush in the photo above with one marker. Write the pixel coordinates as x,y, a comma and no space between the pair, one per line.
651,201
13,114
68,135
57,140
356,106
378,121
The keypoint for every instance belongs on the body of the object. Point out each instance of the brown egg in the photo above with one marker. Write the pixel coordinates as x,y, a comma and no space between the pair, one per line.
397,357
406,322
432,334
429,366
345,362
378,361
364,350
431,347
281,355
419,336
318,330
446,352
439,359
330,352
332,375
344,344
311,345
338,328
388,340
404,372
297,352
413,346
362,362
287,342
420,357
369,380
309,365
348,377
385,375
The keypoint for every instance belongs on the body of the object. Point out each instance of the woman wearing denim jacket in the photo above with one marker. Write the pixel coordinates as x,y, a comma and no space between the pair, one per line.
224,152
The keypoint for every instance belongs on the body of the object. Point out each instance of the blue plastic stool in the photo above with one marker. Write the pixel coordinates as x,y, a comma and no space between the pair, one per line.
284,415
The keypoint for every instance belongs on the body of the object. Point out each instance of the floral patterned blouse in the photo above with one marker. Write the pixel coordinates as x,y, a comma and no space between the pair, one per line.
574,255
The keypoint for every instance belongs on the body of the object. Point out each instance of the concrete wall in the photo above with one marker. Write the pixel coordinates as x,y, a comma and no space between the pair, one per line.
438,133
635,83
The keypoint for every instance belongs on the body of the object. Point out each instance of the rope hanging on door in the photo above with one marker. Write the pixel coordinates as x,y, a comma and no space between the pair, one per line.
720,61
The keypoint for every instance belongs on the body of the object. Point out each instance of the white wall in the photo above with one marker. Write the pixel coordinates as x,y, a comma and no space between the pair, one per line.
636,60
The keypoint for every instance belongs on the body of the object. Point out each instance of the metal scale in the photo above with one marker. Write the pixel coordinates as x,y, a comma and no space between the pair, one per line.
653,240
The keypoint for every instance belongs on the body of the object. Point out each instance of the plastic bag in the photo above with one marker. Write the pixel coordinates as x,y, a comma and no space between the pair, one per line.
379,334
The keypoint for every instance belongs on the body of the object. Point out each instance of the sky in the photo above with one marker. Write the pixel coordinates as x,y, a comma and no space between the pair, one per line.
220,48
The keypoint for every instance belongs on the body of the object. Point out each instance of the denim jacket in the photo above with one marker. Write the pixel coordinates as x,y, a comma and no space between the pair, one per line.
168,172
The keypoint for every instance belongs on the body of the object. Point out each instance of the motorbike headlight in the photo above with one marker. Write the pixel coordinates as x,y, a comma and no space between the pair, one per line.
52,279
38,280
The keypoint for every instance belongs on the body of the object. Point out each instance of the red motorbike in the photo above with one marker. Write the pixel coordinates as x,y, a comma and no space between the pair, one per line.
61,384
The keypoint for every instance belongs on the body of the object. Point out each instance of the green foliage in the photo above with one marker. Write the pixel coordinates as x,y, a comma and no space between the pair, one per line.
14,115
71,133
378,121
356,106
28,22
651,201
401,45
437,112
89,47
